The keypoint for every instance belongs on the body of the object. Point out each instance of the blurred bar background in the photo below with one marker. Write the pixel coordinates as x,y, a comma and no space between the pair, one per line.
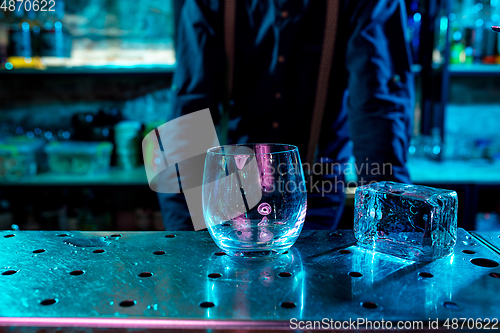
100,72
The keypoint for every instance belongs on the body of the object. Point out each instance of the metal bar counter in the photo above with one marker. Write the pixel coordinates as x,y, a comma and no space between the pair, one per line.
489,238
157,280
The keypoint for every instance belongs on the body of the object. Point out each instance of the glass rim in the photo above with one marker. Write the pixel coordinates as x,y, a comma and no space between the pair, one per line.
291,148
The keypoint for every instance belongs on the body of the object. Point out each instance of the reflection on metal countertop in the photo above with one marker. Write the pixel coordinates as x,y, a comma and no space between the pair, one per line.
489,238
310,282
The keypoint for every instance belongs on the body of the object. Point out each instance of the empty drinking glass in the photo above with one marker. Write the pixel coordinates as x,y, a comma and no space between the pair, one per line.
254,198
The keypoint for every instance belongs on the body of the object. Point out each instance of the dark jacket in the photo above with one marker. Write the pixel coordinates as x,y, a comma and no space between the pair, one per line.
277,52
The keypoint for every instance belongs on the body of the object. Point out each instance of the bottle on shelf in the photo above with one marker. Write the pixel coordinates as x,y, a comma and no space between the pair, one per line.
55,40
457,54
434,145
23,37
19,44
33,19
414,25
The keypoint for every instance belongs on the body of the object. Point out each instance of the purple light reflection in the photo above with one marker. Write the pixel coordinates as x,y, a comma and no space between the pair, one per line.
136,323
264,161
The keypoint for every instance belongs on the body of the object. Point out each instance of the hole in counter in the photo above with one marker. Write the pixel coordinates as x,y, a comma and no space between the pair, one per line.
451,305
214,275
99,251
10,272
128,303
495,275
369,305
288,305
285,274
146,274
206,304
344,251
116,236
49,301
336,234
159,253
425,275
355,274
76,273
63,235
469,252
170,236
483,262
220,253
9,236
39,251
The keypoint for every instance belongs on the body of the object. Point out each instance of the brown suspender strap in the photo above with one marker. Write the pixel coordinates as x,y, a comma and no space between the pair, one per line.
332,15
229,32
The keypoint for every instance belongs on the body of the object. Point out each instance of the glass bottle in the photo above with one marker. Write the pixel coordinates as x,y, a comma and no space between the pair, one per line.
19,44
55,40
437,143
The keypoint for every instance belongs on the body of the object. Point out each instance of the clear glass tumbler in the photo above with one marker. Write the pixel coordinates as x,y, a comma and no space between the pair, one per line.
254,198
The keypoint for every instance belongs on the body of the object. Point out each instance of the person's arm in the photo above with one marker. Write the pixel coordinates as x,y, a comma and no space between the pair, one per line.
380,91
199,77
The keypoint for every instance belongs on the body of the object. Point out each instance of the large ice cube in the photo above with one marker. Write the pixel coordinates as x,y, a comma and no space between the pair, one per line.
408,221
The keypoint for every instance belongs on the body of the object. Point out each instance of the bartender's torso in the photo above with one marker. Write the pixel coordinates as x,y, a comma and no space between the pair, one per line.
278,48
278,45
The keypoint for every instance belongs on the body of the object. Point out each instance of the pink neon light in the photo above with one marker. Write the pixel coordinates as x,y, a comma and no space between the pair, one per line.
133,323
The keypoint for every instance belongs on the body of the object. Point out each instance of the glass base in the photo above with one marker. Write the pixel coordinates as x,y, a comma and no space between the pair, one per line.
256,254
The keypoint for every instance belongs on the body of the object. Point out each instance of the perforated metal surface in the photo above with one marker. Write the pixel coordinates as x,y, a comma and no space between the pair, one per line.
311,282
